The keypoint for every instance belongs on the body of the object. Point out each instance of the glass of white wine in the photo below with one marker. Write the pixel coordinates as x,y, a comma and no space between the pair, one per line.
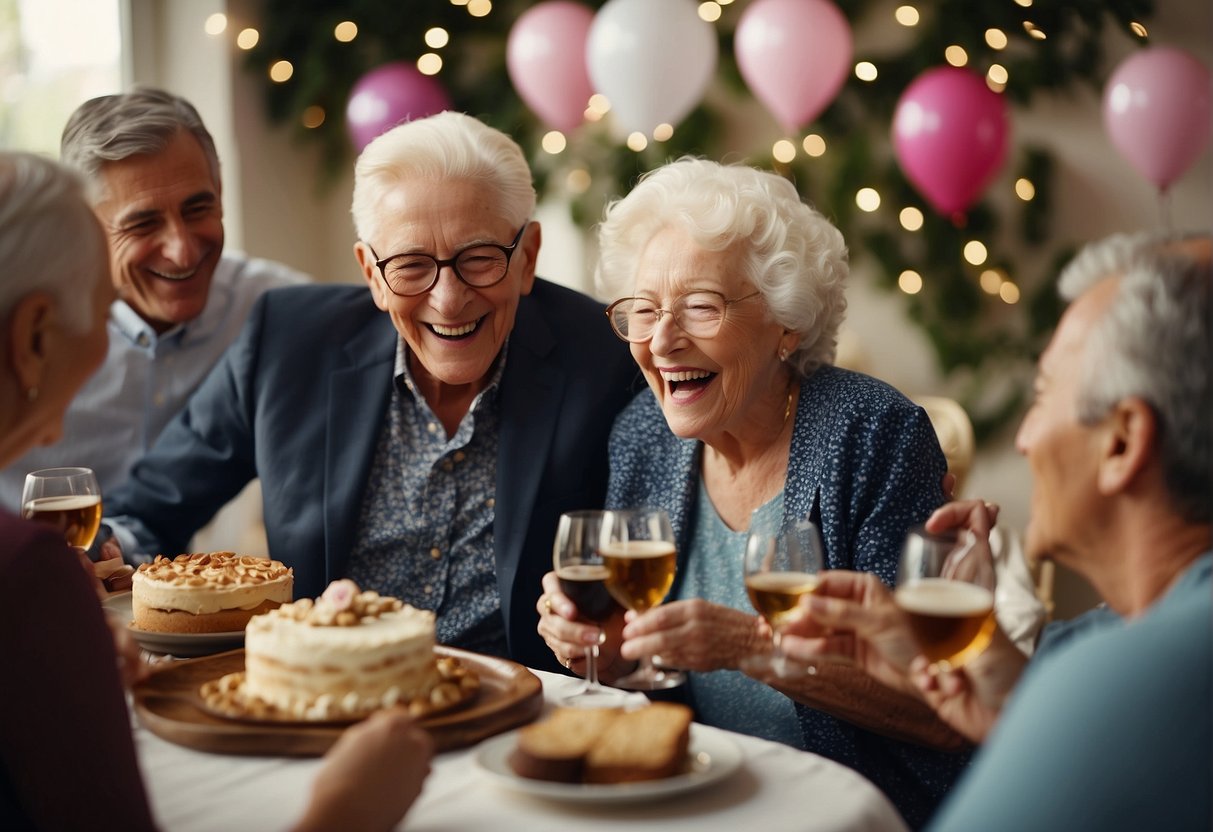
945,586
638,548
781,566
68,499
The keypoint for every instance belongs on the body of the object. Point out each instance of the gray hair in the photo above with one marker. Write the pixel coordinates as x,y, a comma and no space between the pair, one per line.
115,127
792,254
445,146
1154,342
49,238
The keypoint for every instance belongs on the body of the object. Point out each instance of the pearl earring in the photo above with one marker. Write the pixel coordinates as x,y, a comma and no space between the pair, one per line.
783,355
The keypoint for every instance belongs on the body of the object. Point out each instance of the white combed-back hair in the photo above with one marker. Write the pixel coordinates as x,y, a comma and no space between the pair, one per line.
792,254
49,238
445,147
1154,343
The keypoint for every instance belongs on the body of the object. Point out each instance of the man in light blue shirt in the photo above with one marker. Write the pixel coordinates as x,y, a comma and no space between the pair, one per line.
152,176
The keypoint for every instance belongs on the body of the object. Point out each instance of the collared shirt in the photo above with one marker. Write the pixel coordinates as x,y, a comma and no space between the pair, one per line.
147,378
425,532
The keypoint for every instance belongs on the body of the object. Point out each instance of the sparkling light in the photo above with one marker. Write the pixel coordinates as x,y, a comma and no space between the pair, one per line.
663,132
247,38
599,104
814,145
313,117
867,199
1025,3
1024,189
956,55
281,71
430,63
906,15
479,8
865,71
1009,292
459,2
709,11
1033,31
996,38
997,73
783,151
554,142
578,181
437,37
215,24
975,252
1139,29
991,281
910,218
910,282
637,142
345,31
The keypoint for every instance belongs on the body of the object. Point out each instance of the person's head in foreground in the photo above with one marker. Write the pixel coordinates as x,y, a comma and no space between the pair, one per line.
442,210
54,298
152,178
729,289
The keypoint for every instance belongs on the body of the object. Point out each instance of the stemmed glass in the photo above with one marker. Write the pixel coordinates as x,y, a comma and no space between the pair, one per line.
68,499
780,567
637,546
582,576
945,585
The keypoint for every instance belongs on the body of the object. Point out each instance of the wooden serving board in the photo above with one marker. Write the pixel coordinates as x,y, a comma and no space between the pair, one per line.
168,705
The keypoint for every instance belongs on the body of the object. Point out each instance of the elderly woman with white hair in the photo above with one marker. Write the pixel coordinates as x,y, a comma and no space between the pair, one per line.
730,291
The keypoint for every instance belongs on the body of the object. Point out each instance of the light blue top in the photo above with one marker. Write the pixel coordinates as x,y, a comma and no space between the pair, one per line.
1110,731
147,378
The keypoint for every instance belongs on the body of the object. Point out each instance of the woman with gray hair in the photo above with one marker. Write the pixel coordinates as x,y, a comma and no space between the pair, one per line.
730,292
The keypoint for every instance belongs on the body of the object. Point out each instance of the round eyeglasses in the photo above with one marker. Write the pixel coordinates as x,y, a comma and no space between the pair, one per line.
480,266
698,314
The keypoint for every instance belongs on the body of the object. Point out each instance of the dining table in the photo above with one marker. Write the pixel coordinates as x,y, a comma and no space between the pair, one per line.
763,784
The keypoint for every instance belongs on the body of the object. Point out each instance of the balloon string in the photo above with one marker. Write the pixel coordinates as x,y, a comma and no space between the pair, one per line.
1164,211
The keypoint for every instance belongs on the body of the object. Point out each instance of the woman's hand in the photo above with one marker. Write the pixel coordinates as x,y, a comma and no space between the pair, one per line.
694,635
568,638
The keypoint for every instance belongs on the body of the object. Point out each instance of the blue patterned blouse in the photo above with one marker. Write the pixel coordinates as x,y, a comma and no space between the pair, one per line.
864,464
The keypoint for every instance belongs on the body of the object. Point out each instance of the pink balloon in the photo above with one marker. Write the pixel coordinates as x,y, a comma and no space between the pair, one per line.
794,55
950,136
545,58
1157,110
388,95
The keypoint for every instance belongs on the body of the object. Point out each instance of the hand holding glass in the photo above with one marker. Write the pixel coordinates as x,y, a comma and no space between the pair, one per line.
68,499
637,546
780,567
945,585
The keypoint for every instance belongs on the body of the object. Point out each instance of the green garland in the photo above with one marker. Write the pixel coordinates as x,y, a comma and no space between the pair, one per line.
982,344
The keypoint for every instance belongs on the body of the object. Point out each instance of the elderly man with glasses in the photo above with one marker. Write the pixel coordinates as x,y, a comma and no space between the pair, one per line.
423,437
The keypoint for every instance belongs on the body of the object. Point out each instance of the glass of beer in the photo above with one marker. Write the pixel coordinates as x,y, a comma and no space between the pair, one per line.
637,546
945,586
68,499
583,575
780,567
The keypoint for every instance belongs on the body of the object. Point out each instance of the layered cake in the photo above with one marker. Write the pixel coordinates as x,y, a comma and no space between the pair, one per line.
213,592
344,655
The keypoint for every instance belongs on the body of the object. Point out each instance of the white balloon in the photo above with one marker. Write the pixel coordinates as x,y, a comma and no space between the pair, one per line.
652,59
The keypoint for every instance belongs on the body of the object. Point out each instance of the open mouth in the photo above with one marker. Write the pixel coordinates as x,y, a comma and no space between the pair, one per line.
456,333
177,278
686,384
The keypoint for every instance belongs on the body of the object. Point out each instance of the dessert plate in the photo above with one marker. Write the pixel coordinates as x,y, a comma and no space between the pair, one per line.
185,645
711,757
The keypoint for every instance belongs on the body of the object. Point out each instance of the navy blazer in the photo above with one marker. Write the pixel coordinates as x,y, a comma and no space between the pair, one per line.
299,401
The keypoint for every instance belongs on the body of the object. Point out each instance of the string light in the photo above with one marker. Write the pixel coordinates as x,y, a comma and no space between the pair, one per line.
1027,4
956,55
1024,189
480,8
783,151
281,71
1009,292
991,281
459,2
437,37
1033,30
997,73
1138,29
865,71
345,31
868,199
663,132
709,11
637,142
910,282
996,39
247,38
216,24
313,117
578,181
430,63
910,218
906,15
814,145
553,142
975,252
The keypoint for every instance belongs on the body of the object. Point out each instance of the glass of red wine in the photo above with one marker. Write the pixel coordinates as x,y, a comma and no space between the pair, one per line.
582,575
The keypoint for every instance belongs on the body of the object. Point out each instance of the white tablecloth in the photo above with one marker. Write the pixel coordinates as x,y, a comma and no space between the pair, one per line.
776,788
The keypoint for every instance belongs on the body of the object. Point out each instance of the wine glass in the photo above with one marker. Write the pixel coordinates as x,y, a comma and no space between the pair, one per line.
945,585
637,546
582,576
780,567
68,499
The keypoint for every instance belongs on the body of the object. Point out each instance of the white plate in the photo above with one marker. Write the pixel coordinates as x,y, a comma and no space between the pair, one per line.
178,644
713,757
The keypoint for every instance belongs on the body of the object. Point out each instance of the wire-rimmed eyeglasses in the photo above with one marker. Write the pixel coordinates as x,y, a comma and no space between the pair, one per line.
480,266
698,314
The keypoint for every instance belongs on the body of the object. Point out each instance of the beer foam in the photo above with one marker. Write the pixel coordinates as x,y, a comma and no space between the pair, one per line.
940,596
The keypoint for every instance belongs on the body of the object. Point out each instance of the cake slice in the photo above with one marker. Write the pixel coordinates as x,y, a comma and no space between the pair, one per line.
645,744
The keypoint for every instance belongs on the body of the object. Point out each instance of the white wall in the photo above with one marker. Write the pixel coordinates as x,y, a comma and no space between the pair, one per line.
275,209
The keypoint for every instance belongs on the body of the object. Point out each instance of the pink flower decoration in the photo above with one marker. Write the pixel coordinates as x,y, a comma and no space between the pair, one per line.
340,594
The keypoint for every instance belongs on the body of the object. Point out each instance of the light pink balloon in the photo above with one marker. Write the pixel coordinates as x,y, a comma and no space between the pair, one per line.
950,136
1158,112
545,58
388,95
794,55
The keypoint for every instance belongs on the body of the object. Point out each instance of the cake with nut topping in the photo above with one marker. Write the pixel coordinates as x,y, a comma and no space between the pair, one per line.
342,656
212,592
